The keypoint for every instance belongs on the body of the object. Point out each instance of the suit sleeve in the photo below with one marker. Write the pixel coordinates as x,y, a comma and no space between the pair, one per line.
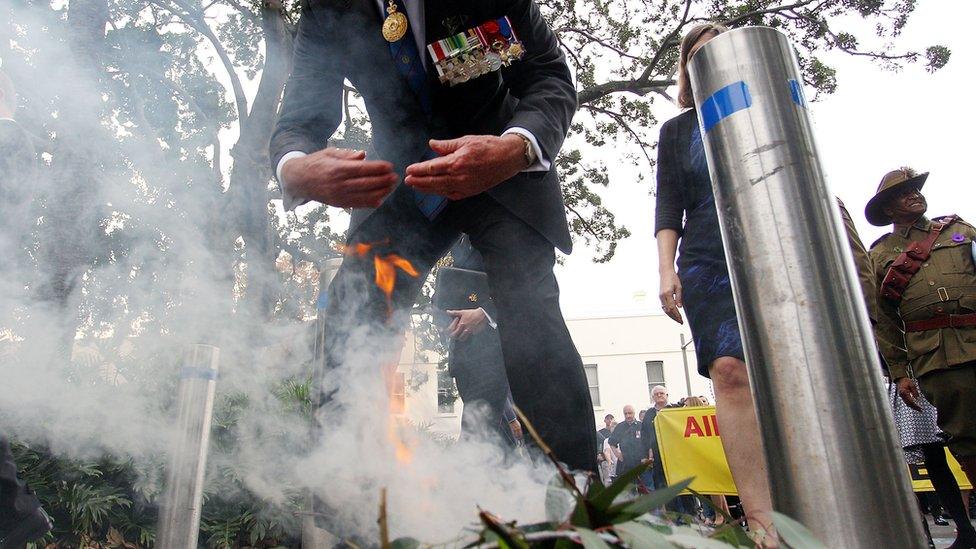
312,106
541,81
862,263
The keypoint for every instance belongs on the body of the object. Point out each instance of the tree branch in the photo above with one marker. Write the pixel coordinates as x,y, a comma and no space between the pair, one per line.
195,19
635,86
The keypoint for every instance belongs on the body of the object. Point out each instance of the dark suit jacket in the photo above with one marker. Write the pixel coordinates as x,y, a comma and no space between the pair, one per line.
341,39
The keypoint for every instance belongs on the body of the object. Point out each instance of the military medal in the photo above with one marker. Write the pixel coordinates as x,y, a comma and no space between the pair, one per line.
395,24
476,51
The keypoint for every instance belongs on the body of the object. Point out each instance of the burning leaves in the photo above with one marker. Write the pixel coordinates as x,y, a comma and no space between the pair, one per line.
385,266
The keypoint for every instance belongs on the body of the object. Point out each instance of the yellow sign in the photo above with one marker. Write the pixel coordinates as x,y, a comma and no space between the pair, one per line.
691,446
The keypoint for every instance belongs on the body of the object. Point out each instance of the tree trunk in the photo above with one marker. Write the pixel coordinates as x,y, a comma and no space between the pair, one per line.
251,171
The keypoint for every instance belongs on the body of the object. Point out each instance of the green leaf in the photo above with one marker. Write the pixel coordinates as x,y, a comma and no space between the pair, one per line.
404,543
604,499
640,536
644,504
591,540
795,534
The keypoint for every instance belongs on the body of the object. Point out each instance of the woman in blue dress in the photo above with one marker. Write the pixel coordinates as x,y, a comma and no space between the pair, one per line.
700,285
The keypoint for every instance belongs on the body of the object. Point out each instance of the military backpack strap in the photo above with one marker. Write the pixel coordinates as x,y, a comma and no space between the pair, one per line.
909,262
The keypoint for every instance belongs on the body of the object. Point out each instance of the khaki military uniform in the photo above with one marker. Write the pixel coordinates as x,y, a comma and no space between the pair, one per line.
942,359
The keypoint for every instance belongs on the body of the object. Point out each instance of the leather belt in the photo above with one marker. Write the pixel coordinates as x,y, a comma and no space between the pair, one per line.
946,321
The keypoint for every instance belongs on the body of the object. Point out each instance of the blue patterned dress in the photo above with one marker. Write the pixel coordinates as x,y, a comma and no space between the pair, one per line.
686,204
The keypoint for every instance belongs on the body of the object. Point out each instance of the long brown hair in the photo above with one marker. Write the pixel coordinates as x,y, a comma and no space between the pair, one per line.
685,98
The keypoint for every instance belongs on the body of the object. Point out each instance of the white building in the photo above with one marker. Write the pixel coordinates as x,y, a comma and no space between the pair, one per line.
624,356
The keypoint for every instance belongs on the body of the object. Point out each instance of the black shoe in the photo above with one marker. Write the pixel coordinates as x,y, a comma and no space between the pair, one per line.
27,528
940,521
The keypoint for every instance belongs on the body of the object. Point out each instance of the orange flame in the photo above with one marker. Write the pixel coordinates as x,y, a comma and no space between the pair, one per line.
386,273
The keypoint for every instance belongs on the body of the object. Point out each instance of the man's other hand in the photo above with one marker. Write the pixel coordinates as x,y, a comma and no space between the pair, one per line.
908,391
467,322
468,165
339,177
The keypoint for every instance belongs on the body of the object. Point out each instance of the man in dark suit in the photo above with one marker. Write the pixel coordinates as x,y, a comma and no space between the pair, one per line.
486,145
21,516
475,354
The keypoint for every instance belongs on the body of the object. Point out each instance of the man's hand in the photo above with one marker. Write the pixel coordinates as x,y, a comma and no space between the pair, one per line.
339,177
466,323
468,165
908,391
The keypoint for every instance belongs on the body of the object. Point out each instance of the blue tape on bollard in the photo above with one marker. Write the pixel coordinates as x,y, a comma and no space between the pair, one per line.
724,102
796,92
189,372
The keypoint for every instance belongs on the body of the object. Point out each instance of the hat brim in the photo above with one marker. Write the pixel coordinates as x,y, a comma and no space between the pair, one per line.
874,211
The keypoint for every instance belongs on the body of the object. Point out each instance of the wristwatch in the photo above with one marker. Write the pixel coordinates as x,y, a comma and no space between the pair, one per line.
528,151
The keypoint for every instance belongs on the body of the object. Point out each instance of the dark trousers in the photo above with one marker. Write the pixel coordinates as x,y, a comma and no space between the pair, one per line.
478,368
544,369
15,499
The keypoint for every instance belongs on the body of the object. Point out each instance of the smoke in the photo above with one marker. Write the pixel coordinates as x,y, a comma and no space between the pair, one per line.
124,262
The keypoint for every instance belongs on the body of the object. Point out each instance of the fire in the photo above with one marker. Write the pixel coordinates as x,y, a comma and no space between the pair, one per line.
386,266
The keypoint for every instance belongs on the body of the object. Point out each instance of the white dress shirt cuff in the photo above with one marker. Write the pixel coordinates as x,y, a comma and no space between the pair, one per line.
491,321
542,164
288,201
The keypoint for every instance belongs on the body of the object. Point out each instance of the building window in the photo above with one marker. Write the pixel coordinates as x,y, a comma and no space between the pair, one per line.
593,380
655,375
447,394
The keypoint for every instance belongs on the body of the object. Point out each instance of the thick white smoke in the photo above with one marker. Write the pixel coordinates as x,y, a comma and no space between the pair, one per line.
166,284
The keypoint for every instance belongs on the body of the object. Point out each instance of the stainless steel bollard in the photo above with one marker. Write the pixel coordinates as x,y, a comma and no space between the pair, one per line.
314,537
834,462
179,521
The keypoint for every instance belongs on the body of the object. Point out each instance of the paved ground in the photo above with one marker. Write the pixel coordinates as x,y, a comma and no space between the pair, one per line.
943,536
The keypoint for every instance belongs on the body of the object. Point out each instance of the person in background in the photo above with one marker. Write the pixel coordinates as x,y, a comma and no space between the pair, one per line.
626,439
21,517
701,286
926,279
640,415
609,457
475,356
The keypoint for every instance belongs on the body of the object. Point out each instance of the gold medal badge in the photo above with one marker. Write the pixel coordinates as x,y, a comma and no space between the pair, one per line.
395,24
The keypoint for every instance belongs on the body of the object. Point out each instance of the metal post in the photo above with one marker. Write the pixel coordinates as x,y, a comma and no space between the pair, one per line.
314,537
179,521
684,358
826,427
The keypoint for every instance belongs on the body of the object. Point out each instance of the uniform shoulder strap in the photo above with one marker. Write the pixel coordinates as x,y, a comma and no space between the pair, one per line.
908,263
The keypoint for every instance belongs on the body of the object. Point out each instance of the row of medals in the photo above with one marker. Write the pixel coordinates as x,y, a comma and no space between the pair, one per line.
459,68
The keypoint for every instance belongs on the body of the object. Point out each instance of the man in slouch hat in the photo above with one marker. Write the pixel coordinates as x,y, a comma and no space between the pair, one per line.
927,306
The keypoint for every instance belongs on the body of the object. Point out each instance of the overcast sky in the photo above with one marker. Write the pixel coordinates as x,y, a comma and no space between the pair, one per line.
875,122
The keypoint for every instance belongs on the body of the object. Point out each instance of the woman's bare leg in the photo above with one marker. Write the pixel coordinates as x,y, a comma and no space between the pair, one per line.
737,422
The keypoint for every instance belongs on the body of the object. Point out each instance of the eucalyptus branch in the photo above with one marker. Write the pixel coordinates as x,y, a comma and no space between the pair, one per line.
194,19
635,86
620,119
837,43
599,41
586,224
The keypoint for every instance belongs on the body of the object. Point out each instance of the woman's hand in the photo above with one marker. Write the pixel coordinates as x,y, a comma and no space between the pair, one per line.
671,295
467,322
